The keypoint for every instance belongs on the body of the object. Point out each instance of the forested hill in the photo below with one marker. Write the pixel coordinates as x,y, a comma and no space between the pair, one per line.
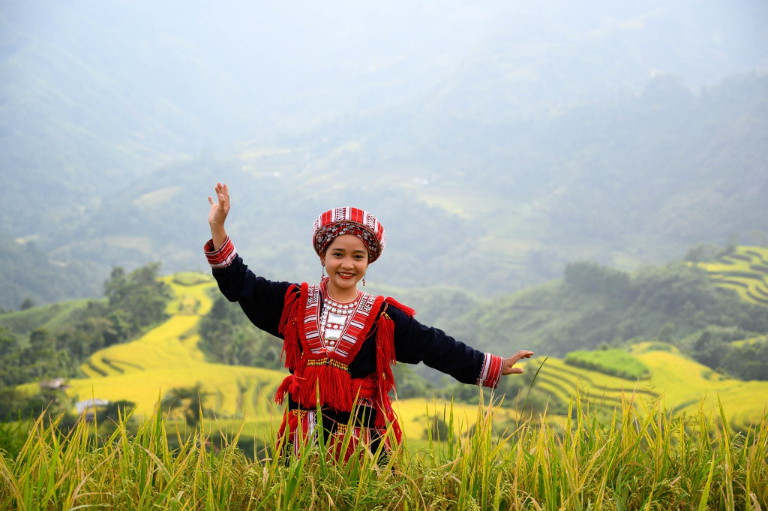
494,149
498,207
29,274
598,307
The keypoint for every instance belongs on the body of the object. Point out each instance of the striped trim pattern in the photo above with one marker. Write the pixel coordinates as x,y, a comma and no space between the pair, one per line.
354,329
222,257
491,371
348,220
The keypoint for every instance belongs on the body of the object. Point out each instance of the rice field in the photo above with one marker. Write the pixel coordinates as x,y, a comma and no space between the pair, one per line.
650,461
745,271
681,384
684,438
168,356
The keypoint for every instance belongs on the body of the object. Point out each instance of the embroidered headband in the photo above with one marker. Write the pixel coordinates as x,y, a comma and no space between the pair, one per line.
339,221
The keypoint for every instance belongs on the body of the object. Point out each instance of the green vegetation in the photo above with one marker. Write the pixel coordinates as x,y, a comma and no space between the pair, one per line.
62,337
630,462
228,337
28,277
614,362
50,317
724,349
743,269
597,306
191,278
584,203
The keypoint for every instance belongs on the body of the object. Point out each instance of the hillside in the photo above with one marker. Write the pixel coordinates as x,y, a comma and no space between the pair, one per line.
583,310
491,231
518,142
684,386
596,305
27,271
100,93
168,357
49,317
744,270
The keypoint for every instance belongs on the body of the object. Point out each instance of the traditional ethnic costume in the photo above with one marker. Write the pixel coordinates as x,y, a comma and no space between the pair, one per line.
342,352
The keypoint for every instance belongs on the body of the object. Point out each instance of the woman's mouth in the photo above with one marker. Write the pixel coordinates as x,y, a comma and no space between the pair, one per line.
345,276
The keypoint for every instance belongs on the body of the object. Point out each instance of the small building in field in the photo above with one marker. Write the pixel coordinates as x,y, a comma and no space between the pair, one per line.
88,408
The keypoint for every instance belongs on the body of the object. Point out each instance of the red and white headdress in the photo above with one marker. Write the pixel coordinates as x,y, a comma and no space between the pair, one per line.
336,222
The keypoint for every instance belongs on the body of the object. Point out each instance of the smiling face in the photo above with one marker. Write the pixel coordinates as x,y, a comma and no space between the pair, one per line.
346,261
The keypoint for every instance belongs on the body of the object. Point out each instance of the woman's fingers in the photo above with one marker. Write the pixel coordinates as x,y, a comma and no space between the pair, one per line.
507,366
522,354
222,192
210,199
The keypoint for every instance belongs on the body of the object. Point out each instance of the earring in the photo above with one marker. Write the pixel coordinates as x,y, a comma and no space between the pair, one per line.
322,274
363,280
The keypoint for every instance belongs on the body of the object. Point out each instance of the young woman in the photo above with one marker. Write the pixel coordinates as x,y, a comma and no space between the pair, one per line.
339,342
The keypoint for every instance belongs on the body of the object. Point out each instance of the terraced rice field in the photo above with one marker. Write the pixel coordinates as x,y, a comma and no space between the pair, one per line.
168,356
745,271
683,385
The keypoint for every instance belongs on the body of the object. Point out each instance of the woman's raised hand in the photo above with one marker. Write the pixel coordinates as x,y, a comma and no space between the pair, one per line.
507,366
218,214
220,209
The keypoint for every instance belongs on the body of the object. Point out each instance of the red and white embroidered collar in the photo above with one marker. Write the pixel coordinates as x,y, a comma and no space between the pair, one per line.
349,340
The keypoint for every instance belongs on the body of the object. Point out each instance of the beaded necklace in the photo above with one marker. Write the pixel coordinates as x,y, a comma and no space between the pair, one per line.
334,320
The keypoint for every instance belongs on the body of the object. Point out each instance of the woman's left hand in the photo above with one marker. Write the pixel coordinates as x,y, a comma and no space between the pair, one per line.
507,366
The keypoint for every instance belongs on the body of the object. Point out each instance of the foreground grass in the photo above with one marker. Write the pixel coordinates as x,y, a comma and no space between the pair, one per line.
638,461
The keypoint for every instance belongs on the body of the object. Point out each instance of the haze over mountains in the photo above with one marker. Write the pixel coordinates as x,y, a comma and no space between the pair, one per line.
495,142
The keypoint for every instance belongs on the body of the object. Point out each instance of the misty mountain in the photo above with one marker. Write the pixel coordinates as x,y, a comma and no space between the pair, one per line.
28,272
623,182
496,142
96,94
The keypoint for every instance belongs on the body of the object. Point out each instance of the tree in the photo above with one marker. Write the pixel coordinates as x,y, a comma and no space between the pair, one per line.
27,303
186,400
668,331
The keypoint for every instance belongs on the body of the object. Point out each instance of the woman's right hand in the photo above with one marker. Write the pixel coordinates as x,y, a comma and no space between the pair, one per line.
220,210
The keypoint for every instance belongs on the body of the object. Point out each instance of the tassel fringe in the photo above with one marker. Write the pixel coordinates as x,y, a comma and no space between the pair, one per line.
407,310
385,352
329,380
334,385
289,327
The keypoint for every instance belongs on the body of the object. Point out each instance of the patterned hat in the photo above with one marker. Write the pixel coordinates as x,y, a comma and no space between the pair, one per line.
336,222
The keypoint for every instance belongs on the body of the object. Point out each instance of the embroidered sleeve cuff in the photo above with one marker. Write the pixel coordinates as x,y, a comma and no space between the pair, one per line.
222,257
491,371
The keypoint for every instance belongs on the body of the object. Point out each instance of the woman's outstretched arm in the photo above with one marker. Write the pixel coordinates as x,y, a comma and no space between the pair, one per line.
218,215
416,343
261,300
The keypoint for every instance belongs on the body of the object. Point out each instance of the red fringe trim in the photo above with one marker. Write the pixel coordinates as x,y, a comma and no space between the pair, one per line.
335,388
385,352
407,310
385,358
289,327
283,389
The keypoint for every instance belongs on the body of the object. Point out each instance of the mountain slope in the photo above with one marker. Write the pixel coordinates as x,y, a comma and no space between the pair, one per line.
28,272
